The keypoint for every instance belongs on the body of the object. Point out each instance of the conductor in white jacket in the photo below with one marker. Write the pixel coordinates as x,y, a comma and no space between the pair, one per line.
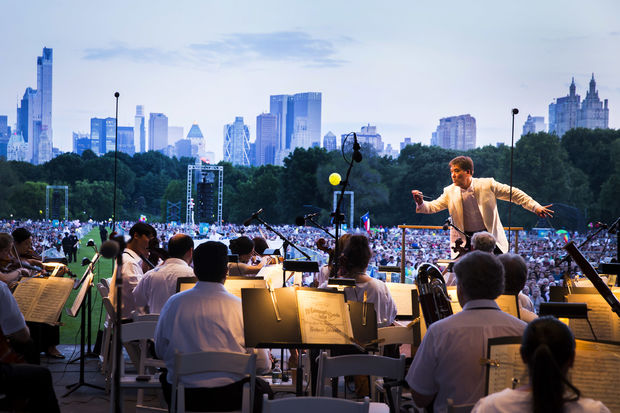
472,202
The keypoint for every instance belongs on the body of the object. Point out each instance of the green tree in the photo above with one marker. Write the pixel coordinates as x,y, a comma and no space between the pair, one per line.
176,191
28,200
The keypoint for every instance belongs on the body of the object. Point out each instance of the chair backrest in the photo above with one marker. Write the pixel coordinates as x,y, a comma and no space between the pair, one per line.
186,364
104,290
314,404
359,364
459,408
146,317
395,335
109,308
141,331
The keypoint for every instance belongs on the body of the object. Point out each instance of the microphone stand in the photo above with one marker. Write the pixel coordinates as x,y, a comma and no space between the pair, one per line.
118,343
567,257
286,244
339,216
512,150
320,227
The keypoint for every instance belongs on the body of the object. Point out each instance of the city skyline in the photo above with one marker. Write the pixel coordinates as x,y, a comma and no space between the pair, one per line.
415,64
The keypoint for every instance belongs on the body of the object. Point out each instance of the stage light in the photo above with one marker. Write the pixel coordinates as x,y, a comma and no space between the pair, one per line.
335,178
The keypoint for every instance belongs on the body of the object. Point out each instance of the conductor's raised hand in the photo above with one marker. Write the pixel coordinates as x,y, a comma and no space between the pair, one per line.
417,196
544,211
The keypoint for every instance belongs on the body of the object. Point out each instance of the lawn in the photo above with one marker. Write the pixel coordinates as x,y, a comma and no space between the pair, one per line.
70,330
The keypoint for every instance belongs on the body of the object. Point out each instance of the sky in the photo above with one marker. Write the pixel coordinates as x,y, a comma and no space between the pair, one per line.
399,65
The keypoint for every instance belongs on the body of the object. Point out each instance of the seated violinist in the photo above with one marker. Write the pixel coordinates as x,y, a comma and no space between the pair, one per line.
23,250
10,272
244,248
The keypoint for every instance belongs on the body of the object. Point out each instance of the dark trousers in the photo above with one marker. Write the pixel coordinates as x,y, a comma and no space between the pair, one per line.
44,335
217,399
27,388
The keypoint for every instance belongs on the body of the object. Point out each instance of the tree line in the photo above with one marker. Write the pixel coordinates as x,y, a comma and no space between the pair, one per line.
579,174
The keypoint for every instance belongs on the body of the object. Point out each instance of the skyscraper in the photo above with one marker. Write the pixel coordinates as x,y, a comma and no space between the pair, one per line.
298,121
34,115
456,132
158,132
139,131
4,135
198,142
102,135
534,124
126,140
329,141
405,142
266,139
237,143
368,135
593,113
569,112
81,142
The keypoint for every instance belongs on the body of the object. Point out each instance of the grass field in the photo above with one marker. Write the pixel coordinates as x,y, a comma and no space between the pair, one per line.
70,330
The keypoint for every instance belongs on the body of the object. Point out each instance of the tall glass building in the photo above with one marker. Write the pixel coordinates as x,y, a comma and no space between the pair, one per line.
237,143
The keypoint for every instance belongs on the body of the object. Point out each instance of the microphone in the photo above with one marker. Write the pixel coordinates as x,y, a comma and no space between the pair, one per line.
109,249
252,218
301,221
447,224
515,111
357,155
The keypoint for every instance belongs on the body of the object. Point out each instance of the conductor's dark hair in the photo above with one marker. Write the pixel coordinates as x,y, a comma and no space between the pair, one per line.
515,272
548,349
242,245
480,275
179,244
357,252
260,244
211,261
141,228
463,162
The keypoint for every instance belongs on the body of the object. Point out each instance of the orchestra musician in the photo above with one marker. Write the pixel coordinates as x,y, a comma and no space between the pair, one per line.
447,364
548,349
46,337
9,272
472,203
25,387
244,248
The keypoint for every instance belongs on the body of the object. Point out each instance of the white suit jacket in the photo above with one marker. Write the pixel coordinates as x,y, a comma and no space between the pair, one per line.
487,191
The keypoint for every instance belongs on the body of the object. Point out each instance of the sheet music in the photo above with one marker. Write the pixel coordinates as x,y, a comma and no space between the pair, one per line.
81,294
234,286
272,274
508,304
51,300
606,323
26,294
596,372
506,366
319,314
401,293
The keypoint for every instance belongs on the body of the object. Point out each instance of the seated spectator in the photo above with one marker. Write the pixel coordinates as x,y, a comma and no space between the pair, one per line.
515,272
207,318
26,387
160,283
548,349
447,364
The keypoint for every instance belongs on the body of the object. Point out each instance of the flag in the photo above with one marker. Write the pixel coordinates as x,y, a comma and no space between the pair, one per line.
366,221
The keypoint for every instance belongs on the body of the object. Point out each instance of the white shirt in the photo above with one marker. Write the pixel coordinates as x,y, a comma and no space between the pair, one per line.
377,294
472,217
160,283
132,273
448,360
509,401
11,318
204,318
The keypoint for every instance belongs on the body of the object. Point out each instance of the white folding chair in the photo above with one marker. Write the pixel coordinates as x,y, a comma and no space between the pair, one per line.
241,364
105,356
389,336
140,331
313,405
365,365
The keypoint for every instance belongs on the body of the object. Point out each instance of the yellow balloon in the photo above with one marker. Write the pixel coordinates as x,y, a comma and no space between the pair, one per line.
335,178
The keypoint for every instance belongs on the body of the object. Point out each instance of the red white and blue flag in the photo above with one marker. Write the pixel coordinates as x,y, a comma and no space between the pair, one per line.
366,221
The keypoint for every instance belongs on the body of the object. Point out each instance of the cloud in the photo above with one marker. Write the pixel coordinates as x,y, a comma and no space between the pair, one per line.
284,46
136,54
